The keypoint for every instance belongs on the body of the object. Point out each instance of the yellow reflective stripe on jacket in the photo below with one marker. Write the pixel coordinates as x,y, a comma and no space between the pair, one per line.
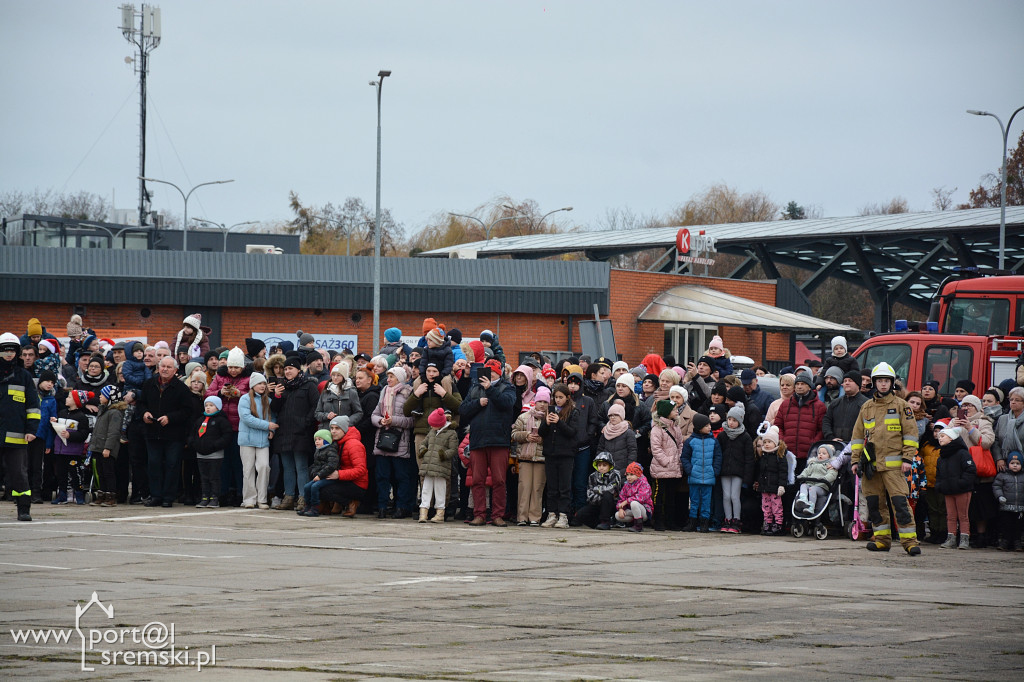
869,424
894,461
15,493
912,443
15,439
33,413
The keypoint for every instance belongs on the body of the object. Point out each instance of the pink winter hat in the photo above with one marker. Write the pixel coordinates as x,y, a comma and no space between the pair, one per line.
716,342
543,395
436,419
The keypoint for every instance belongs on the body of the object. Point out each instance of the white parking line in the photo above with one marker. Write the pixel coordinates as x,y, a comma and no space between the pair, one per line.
127,551
55,568
434,579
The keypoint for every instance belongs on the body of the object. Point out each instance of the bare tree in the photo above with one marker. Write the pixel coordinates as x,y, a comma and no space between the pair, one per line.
942,198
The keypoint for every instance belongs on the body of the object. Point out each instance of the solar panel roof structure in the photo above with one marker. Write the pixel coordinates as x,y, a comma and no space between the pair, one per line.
901,257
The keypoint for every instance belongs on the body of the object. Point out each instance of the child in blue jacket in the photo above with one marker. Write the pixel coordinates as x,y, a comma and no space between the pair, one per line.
701,460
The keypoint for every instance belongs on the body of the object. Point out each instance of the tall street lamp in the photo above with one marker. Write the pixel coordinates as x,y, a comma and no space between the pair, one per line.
487,228
184,196
1005,130
379,84
541,221
224,228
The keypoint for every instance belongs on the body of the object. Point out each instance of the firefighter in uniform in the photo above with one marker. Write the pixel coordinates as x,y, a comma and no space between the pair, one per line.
884,445
19,419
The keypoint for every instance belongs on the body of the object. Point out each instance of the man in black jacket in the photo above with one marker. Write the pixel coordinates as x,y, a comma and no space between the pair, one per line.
842,412
165,404
487,410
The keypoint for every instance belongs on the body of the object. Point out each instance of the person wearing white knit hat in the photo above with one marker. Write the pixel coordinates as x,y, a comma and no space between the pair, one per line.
619,368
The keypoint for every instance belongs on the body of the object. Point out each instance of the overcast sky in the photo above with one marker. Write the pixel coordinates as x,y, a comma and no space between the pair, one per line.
598,105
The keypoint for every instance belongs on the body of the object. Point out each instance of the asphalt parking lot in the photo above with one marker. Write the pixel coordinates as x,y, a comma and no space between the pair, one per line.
284,597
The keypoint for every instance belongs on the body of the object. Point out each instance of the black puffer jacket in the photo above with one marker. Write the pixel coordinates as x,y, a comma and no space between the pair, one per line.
491,425
955,471
368,399
559,439
737,456
295,413
772,471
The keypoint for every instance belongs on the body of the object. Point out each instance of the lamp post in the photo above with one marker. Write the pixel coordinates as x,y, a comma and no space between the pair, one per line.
1005,130
379,85
184,196
487,228
224,228
541,221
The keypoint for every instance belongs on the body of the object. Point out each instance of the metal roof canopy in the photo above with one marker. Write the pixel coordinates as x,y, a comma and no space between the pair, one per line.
119,276
898,258
690,304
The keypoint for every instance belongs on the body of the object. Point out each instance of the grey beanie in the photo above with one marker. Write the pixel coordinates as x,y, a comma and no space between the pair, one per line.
304,338
804,378
737,412
341,421
835,373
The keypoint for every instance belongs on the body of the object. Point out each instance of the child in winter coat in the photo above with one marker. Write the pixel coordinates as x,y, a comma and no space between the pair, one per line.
716,351
737,466
135,374
955,476
560,433
49,358
490,340
47,408
434,457
602,494
666,446
325,461
106,442
635,503
701,460
69,448
439,352
818,476
208,437
841,358
530,455
774,465
618,439
1009,490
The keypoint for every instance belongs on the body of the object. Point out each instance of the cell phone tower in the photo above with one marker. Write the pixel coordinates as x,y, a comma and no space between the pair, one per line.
141,29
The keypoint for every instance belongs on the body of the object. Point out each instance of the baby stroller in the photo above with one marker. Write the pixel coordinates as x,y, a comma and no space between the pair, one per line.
831,512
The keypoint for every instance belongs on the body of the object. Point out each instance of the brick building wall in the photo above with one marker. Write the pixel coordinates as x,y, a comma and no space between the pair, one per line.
630,293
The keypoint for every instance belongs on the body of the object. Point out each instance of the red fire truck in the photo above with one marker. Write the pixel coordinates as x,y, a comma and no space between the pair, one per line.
975,331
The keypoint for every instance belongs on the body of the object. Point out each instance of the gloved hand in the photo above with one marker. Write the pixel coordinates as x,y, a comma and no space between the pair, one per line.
1002,500
782,490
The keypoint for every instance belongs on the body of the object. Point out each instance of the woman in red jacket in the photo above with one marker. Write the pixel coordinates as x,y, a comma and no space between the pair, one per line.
348,484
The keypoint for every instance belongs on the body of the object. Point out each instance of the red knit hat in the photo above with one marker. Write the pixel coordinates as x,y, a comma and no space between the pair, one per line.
635,469
436,419
82,397
548,372
494,366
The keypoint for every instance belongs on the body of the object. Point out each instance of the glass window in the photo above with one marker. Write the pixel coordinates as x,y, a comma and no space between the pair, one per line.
947,365
670,340
896,354
978,316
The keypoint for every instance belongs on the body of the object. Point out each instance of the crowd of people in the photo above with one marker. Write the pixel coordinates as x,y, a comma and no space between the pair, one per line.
450,430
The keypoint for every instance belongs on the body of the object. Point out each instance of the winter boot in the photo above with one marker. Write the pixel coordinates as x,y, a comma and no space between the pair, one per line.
110,501
24,506
876,545
301,506
351,510
550,521
691,525
79,497
637,527
950,542
965,541
439,516
287,503
914,550
563,521
98,498
423,514
311,512
704,525
61,498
